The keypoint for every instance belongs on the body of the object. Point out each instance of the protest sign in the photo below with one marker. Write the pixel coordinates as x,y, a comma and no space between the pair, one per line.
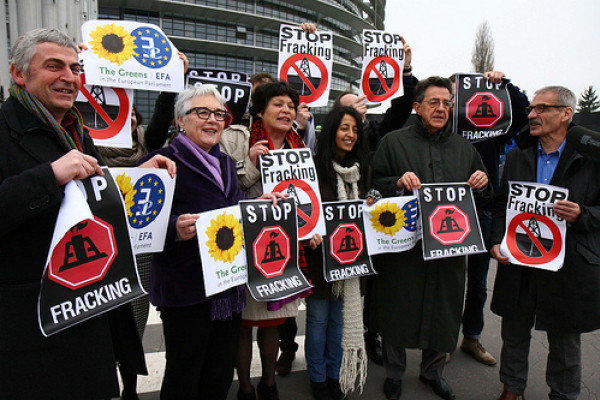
305,62
392,225
90,267
106,113
213,73
535,236
236,94
221,244
130,54
383,63
345,253
293,172
147,197
482,109
270,234
450,223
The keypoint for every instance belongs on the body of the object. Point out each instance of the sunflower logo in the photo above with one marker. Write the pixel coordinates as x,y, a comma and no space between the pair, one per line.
224,238
113,43
127,191
388,218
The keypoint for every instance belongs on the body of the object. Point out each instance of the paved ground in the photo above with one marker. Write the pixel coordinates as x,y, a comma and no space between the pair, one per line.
469,379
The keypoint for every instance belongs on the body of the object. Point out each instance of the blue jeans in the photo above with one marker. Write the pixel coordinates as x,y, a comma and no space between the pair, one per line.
477,273
323,344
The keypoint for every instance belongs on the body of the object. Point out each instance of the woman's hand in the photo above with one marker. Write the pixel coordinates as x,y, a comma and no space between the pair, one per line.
315,241
186,226
257,149
495,253
275,196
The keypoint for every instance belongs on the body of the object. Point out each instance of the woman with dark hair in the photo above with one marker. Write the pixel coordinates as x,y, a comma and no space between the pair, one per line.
334,348
273,110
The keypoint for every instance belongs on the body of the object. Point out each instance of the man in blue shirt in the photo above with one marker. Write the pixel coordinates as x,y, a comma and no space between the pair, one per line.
562,303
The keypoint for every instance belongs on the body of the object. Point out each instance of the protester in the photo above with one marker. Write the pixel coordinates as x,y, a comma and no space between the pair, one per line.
273,110
395,116
562,303
201,333
344,172
43,146
417,303
478,264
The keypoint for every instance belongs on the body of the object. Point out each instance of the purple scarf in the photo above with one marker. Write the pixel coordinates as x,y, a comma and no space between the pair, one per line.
209,161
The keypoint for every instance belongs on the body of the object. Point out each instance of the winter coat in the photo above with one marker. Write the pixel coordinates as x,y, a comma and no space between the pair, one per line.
417,303
567,300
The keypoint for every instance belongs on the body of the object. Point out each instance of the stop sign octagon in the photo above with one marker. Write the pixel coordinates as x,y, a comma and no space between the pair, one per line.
484,109
448,224
346,243
84,255
271,251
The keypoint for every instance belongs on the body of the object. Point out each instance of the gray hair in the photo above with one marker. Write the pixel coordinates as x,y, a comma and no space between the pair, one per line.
182,105
26,45
564,96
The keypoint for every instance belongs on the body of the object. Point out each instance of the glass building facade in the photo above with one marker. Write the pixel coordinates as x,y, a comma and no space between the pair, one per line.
242,35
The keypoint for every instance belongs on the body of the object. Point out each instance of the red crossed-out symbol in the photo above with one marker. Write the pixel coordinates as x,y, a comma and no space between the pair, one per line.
84,254
484,109
373,67
546,256
346,243
448,224
315,92
309,220
114,127
271,251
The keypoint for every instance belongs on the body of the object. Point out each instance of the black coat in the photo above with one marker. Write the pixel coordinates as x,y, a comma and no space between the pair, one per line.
79,362
567,300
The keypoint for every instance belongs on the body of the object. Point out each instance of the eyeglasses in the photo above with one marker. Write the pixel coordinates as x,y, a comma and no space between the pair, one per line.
435,103
204,113
541,108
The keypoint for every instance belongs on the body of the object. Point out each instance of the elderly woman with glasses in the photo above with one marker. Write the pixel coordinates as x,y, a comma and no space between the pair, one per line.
201,332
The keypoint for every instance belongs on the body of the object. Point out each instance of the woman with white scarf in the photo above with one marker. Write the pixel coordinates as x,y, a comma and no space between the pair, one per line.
335,350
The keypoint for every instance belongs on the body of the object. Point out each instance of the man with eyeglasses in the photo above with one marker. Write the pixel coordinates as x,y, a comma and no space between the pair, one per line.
562,303
418,303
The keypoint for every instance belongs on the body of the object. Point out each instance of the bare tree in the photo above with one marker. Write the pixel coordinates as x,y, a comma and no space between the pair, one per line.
482,59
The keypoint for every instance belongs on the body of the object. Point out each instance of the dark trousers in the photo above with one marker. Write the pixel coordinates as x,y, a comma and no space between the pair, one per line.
287,335
200,353
433,363
563,369
477,273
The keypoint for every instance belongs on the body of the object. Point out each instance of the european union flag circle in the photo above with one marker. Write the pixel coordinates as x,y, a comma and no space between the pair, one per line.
147,201
411,212
153,49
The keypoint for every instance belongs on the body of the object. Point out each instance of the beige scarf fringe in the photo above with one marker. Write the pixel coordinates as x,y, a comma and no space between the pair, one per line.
353,371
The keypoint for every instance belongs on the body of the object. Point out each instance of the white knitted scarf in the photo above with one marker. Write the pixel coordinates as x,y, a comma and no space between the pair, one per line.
353,371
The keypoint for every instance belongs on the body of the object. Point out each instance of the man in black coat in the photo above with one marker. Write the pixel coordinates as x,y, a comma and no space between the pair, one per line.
562,303
43,147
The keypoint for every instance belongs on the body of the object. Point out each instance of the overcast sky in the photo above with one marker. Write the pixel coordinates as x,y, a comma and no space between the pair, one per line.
537,42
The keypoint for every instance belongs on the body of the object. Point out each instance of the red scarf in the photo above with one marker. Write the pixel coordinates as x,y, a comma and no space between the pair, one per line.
257,132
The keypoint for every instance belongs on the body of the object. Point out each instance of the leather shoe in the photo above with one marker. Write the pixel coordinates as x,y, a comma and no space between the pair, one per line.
474,348
440,387
392,388
284,363
374,349
506,395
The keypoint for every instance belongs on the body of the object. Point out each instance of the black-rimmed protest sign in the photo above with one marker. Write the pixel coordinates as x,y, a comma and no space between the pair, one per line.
271,241
236,94
482,109
212,73
91,269
450,223
345,253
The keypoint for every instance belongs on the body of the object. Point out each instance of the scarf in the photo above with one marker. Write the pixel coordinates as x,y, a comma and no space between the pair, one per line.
353,371
208,160
258,132
124,157
35,107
